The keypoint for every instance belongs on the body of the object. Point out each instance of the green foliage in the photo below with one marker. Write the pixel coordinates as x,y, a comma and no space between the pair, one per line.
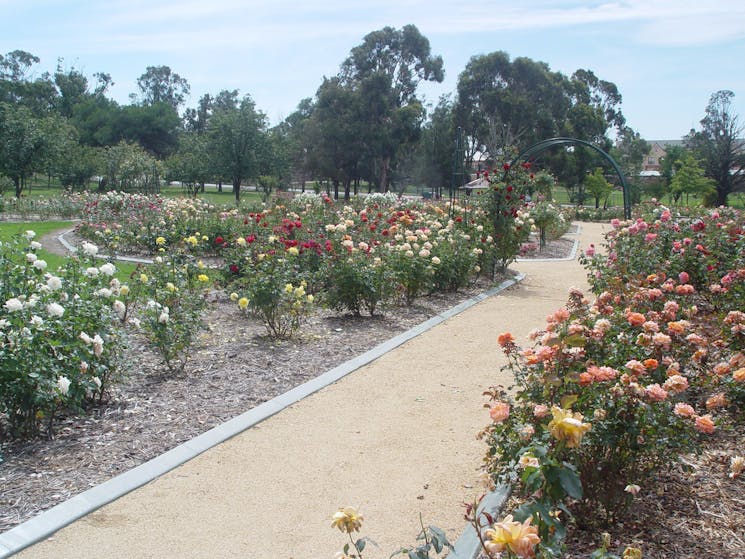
170,300
689,179
272,291
598,187
60,343
356,281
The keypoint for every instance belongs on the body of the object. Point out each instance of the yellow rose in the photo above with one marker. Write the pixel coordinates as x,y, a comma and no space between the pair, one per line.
519,538
124,290
289,288
143,278
242,303
203,277
347,519
160,241
567,426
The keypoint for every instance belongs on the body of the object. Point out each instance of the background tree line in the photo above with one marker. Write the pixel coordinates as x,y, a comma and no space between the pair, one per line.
364,126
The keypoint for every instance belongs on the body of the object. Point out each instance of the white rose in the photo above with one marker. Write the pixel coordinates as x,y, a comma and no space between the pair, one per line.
55,309
63,383
90,249
54,283
13,305
108,269
40,264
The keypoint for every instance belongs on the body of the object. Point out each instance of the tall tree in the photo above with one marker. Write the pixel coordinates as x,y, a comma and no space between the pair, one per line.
238,142
26,143
720,145
335,133
17,85
386,69
503,104
691,180
72,89
160,85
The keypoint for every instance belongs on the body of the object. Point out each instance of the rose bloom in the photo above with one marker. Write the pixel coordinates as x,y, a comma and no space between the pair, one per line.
704,424
632,489
499,412
347,519
739,375
661,340
636,367
676,384
718,400
519,538
651,364
63,383
635,318
529,461
505,339
13,304
684,410
55,309
567,426
655,392
677,327
540,410
721,369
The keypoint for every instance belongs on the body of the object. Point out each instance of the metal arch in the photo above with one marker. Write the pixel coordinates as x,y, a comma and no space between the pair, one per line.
542,146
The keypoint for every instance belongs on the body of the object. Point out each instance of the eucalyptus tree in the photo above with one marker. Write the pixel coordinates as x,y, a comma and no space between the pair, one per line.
161,85
386,70
18,86
335,133
503,104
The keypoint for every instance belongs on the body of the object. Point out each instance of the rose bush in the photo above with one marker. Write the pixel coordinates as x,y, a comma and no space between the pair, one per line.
60,342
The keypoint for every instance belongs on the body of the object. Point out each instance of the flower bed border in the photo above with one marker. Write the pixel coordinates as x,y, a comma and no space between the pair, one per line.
47,523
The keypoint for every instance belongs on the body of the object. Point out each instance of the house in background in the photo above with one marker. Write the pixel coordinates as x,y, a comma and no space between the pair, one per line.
652,161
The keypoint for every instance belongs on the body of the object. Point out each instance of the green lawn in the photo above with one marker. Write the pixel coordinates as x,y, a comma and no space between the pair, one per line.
41,228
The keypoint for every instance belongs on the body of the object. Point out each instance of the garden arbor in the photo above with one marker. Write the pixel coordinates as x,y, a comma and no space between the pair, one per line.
539,147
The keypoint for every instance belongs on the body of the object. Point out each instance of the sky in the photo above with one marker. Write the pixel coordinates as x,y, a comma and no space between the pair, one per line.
666,56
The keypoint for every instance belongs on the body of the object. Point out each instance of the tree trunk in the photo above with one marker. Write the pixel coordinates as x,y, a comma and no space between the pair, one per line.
347,184
237,190
219,186
722,196
336,189
384,173
18,186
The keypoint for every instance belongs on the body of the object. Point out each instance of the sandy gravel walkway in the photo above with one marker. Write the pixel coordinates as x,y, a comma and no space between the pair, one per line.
395,439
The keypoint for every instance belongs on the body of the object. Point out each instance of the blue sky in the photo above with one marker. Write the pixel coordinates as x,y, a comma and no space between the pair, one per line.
666,56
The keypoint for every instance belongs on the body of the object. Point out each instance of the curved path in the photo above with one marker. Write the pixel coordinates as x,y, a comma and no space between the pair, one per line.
395,438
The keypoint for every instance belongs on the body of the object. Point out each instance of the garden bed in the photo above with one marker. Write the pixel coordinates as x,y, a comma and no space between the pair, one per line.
234,367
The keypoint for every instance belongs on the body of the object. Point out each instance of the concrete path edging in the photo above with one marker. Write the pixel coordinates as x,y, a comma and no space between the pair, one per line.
45,524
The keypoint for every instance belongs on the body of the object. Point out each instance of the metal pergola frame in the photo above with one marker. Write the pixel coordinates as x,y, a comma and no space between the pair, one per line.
539,147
